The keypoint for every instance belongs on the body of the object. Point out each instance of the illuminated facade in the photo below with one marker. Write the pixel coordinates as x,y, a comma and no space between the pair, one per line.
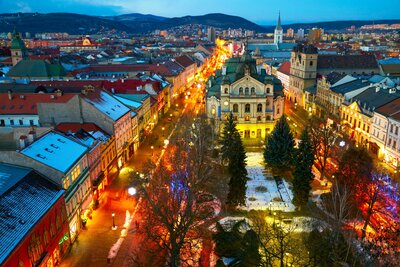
255,98
303,72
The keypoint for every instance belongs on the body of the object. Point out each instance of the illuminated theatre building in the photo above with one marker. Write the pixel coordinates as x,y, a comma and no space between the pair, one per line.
255,99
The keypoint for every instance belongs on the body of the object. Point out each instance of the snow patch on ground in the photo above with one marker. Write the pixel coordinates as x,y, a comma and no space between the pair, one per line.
276,197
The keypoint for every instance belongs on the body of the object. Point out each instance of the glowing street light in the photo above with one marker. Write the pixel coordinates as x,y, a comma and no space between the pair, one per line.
152,150
132,191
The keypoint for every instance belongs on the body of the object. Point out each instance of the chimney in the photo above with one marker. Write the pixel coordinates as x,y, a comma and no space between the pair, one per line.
59,92
22,141
224,70
9,92
31,136
377,89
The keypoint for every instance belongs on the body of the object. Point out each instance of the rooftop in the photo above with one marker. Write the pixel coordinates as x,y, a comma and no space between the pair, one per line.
106,103
52,147
27,103
28,197
347,62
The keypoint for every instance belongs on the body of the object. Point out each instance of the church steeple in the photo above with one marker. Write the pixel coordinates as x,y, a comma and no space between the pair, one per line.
278,34
278,26
18,49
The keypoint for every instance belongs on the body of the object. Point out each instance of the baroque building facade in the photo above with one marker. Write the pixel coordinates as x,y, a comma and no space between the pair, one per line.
255,99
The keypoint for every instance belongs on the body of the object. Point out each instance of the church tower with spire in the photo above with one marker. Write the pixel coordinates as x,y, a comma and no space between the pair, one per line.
18,49
278,34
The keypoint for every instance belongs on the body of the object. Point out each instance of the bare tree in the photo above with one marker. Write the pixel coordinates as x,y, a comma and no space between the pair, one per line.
279,242
323,138
173,216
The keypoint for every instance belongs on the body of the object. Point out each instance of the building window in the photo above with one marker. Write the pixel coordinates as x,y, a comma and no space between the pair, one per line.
253,90
235,108
226,90
311,63
258,118
235,118
247,118
247,108
11,122
397,130
268,118
259,108
391,128
2,123
241,91
268,90
21,122
277,111
390,141
31,122
247,91
394,144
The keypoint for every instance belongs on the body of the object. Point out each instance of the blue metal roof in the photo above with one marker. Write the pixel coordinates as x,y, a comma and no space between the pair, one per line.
23,204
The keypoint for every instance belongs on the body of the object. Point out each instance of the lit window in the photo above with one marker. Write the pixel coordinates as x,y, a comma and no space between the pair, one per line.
247,108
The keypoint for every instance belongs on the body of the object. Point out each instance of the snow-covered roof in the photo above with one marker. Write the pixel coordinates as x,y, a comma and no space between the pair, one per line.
56,151
23,205
128,102
107,104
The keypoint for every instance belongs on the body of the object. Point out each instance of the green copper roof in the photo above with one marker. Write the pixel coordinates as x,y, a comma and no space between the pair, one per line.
235,70
36,68
17,42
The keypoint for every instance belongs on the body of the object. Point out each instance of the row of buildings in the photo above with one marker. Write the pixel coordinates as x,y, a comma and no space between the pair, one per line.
64,136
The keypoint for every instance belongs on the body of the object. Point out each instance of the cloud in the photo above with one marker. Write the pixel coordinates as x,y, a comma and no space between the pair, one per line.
23,7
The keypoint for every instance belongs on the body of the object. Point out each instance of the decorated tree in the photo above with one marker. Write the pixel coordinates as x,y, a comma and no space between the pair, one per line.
302,174
279,150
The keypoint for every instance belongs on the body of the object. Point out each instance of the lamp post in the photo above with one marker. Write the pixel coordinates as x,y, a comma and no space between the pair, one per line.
113,221
152,150
270,207
163,131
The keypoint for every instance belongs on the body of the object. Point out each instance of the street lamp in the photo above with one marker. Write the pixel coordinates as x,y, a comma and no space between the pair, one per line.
152,150
132,191
113,221
270,207
163,131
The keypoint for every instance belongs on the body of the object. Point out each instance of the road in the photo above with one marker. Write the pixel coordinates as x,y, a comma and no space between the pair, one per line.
94,242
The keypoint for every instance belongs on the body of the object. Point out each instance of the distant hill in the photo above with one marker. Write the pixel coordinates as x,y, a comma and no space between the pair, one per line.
135,17
333,25
142,23
131,23
58,22
216,20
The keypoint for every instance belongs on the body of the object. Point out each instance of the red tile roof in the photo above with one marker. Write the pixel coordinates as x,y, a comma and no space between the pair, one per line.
185,61
74,127
393,107
27,103
285,67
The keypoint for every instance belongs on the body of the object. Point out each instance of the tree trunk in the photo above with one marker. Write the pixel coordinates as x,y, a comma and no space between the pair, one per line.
366,223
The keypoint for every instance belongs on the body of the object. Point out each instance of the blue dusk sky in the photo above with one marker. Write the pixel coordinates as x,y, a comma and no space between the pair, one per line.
259,11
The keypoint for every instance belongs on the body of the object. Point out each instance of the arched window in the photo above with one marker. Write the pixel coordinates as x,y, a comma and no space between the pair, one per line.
268,90
241,91
246,91
253,90
235,108
247,108
226,90
259,108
